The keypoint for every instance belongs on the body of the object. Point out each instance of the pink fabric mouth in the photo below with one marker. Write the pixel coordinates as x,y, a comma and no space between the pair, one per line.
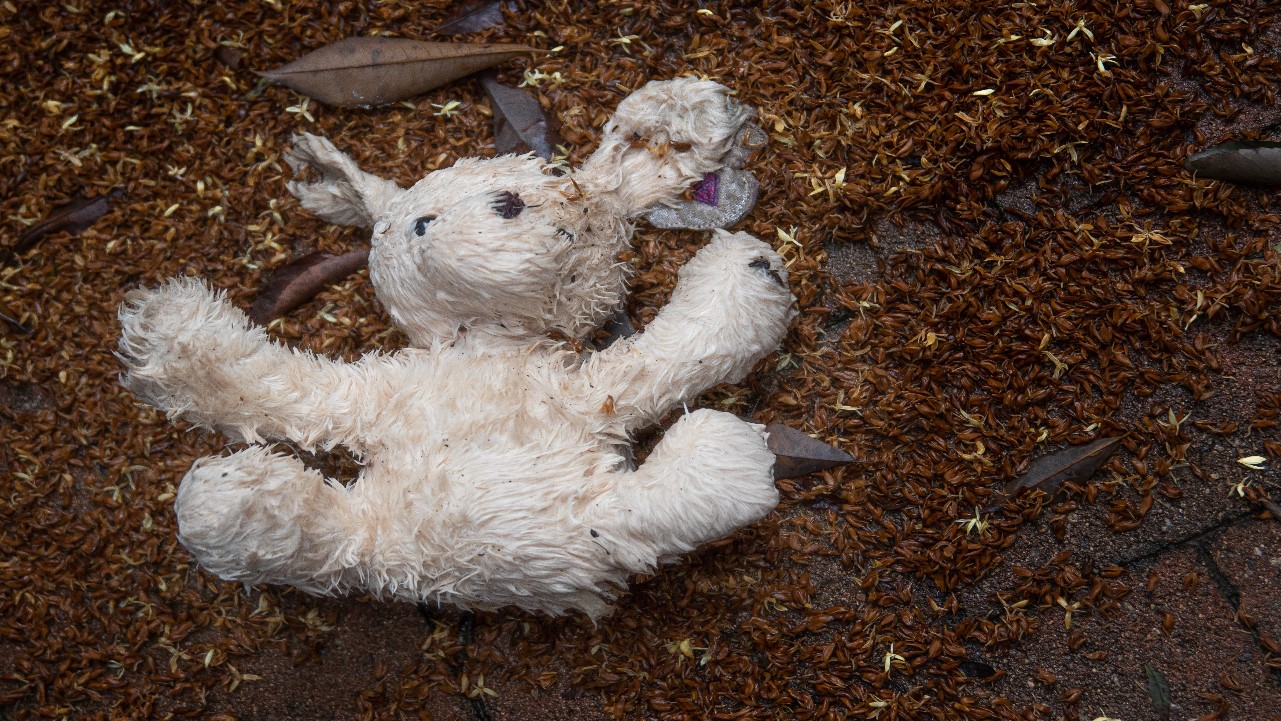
707,191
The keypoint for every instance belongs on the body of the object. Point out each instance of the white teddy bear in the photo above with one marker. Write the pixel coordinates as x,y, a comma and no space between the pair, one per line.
492,465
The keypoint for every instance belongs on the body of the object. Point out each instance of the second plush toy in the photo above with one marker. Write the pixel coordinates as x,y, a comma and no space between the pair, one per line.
491,471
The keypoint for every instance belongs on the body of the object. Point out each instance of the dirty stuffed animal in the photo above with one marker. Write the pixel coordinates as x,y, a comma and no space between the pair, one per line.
491,467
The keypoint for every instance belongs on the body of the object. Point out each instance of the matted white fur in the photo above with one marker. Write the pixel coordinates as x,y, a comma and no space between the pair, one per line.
491,472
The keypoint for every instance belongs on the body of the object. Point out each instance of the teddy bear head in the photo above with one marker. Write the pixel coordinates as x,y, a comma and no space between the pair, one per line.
509,246
501,245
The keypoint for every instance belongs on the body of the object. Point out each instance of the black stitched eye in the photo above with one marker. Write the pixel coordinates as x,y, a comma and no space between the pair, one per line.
508,205
420,225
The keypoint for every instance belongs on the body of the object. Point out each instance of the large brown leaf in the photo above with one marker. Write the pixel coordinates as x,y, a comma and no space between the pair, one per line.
373,71
1248,162
796,454
520,125
1075,463
299,280
473,16
1273,507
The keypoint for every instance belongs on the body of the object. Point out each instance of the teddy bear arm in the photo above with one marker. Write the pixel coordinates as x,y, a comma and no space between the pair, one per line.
730,308
192,354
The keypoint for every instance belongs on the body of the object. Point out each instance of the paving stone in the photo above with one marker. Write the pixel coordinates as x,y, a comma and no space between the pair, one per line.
1206,504
834,584
1249,555
858,261
369,646
1203,656
560,703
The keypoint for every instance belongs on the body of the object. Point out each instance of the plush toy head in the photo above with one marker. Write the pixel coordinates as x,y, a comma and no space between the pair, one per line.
507,247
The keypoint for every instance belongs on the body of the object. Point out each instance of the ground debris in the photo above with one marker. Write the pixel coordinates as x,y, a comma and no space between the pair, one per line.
1040,270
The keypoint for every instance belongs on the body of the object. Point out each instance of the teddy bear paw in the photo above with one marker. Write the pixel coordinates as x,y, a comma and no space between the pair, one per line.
159,323
721,470
260,517
176,343
743,256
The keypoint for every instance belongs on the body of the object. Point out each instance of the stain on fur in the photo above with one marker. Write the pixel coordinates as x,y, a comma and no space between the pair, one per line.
509,205
762,265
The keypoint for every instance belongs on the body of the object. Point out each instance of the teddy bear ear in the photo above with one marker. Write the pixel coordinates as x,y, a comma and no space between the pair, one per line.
345,194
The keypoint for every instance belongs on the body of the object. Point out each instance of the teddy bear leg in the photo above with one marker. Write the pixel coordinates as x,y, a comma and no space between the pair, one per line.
710,475
730,308
261,517
190,353
662,139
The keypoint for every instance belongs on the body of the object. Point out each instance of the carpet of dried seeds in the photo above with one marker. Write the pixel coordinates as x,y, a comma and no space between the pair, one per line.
1022,328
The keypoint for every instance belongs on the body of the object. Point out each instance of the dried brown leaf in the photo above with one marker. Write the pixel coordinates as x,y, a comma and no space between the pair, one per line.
375,70
18,398
73,217
1158,691
1273,507
299,280
1074,463
229,56
977,669
473,16
520,125
796,454
11,319
1246,162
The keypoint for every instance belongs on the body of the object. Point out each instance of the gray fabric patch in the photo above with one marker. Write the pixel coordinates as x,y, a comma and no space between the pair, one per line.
722,198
